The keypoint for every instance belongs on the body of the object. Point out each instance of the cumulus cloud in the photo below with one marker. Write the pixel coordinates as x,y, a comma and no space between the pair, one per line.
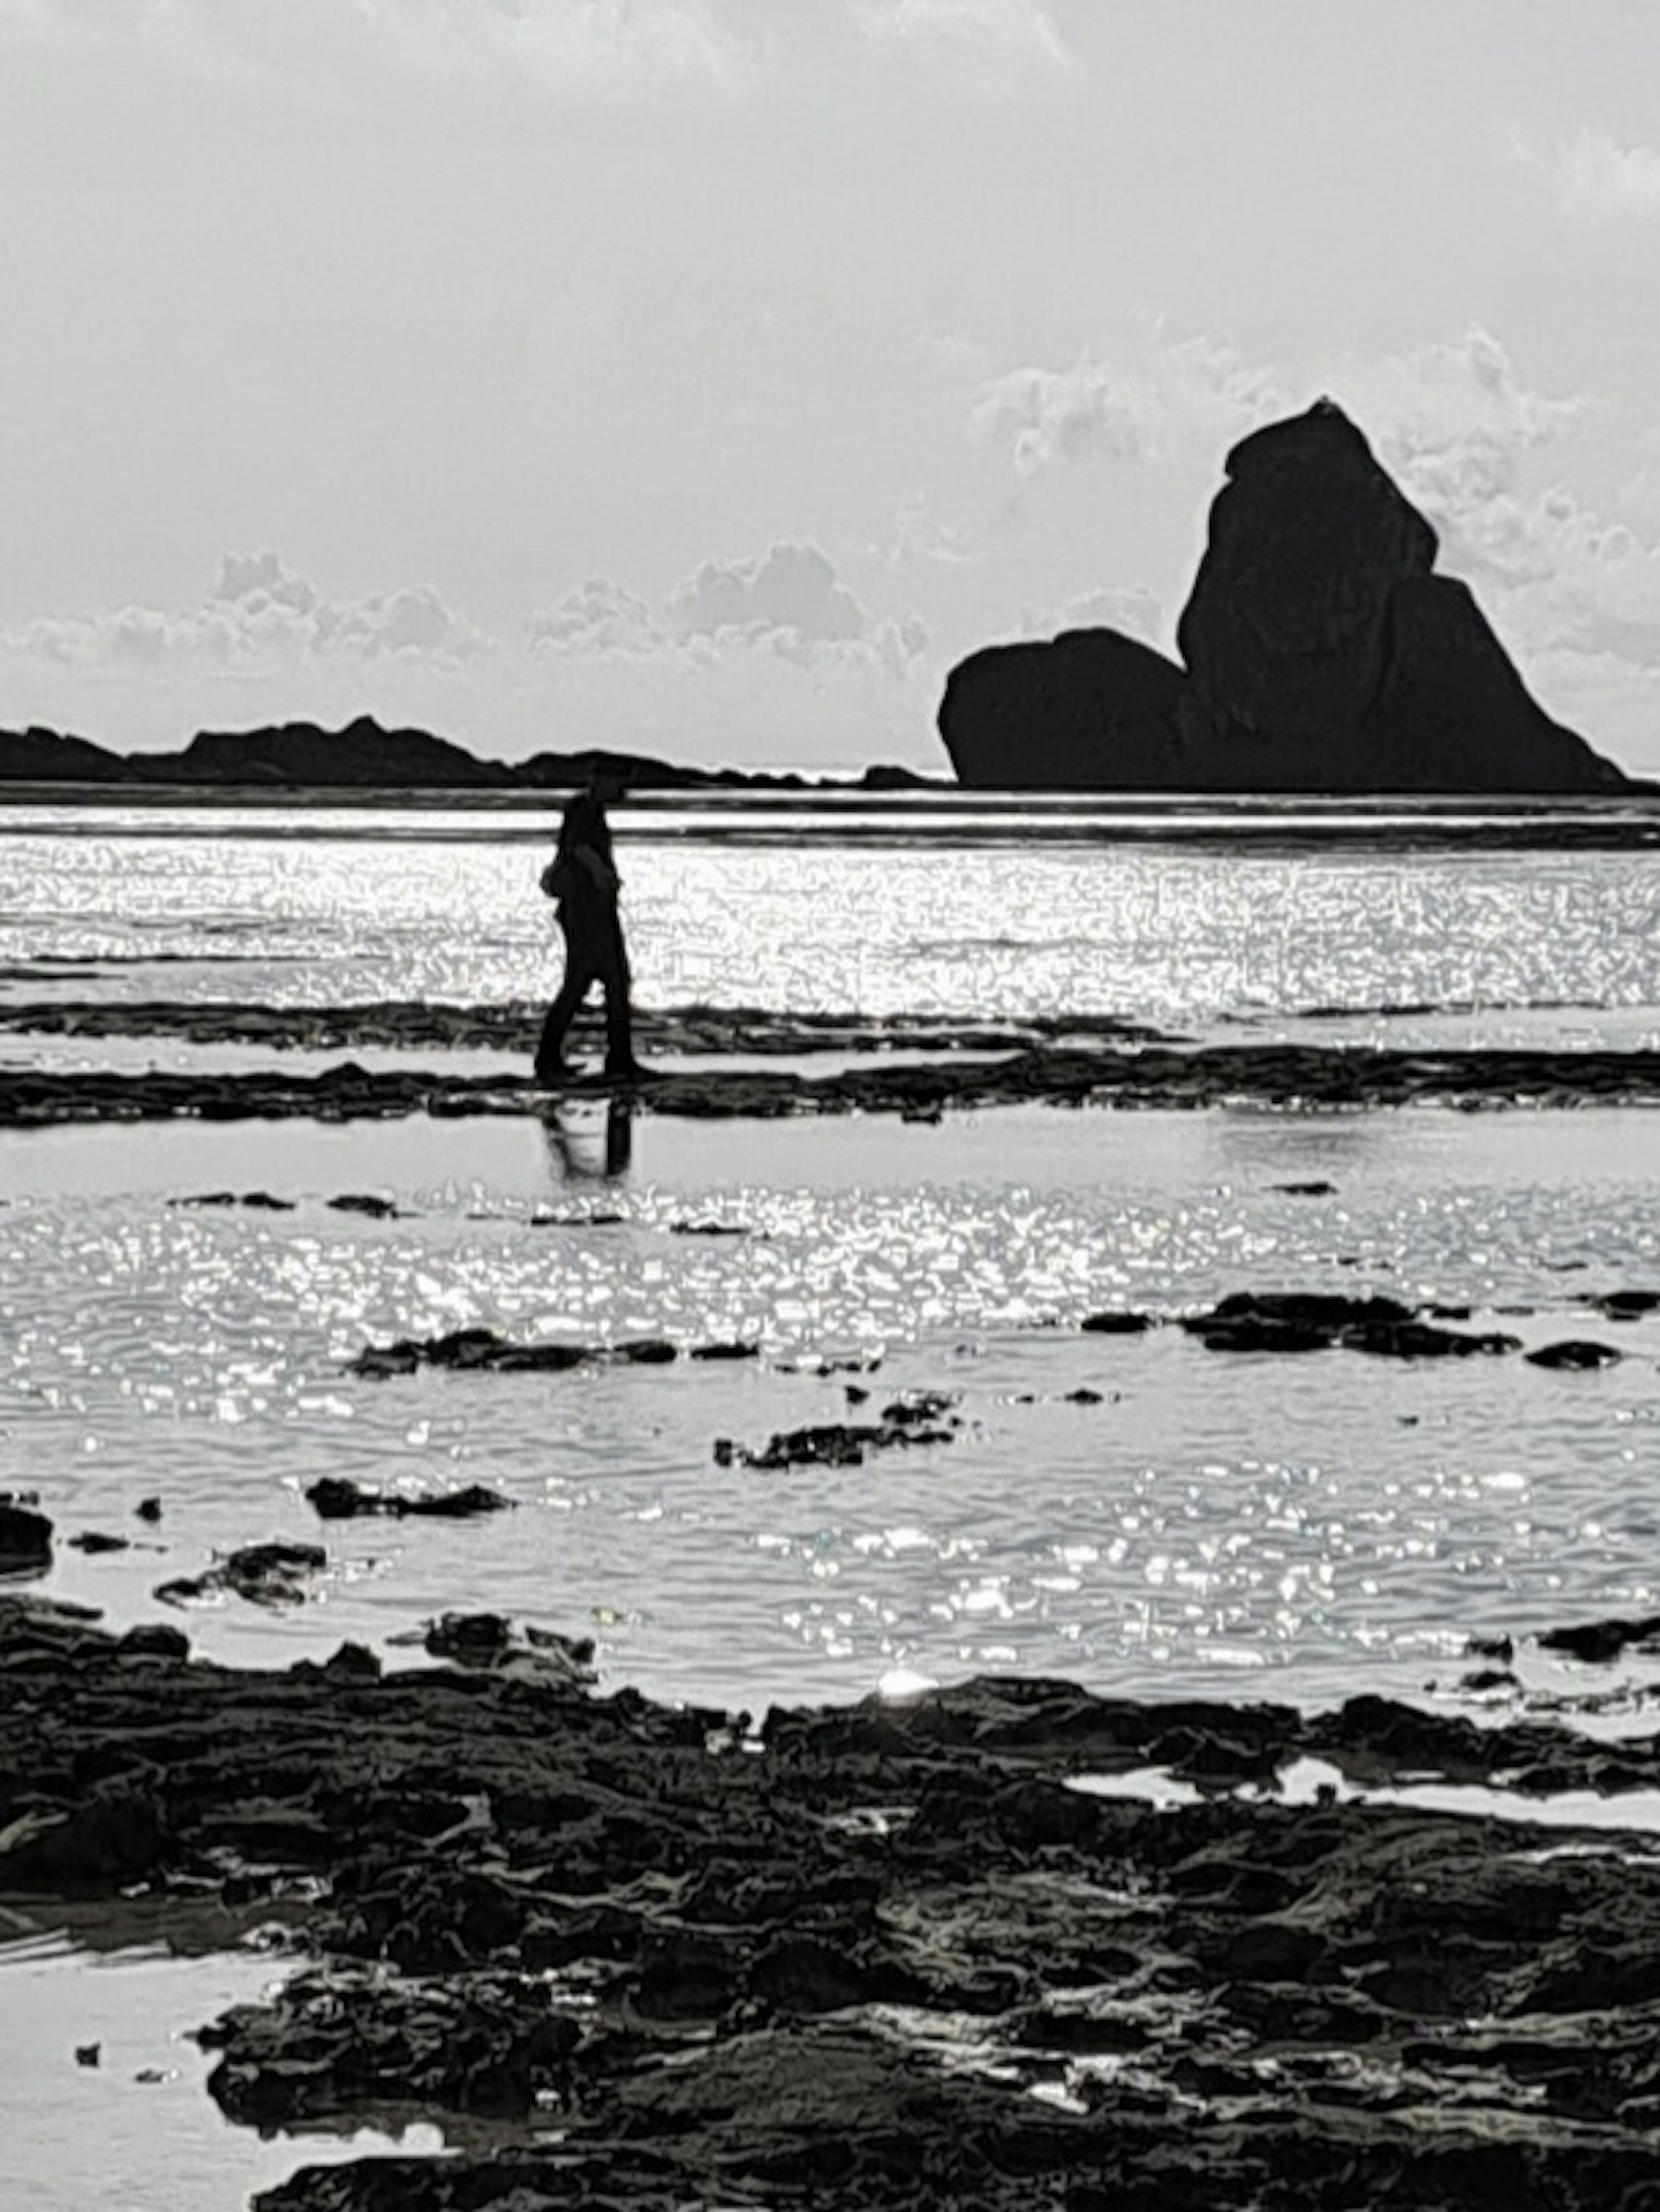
1453,424
1599,181
788,603
791,587
1136,403
258,613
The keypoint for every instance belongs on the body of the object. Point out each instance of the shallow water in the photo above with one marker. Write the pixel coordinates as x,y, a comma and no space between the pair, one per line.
1315,1526
975,915
127,2126
1303,1529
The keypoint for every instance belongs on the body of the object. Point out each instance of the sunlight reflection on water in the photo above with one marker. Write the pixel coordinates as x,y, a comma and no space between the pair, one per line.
1191,1515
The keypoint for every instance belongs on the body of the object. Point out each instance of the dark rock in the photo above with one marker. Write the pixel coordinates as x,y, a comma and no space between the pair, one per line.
735,1351
1309,1321
149,1509
837,1444
1285,631
24,1538
1316,1189
259,1202
153,1639
491,1640
264,1574
365,1202
1598,1641
1322,654
338,1497
40,756
362,755
1574,1351
92,1540
1116,1324
1625,1305
479,1349
1094,710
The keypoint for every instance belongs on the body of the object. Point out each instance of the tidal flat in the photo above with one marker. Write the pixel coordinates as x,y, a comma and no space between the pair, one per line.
1063,1602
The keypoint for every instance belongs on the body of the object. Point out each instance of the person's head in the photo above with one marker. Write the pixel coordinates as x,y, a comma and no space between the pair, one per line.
608,781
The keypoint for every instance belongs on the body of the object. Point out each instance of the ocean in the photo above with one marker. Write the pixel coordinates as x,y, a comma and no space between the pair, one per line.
1195,1520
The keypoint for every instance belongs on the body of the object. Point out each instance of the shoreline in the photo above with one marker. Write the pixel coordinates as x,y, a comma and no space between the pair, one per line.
645,1955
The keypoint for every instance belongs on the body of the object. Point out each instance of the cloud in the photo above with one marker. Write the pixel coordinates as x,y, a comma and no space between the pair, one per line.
260,614
786,603
1129,608
791,587
992,46
1453,423
1598,181
598,50
1136,403
1574,593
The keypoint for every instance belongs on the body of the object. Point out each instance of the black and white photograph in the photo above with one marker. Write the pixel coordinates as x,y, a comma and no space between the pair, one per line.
830,1106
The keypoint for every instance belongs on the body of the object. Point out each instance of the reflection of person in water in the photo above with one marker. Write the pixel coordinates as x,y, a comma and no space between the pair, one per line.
589,1138
582,877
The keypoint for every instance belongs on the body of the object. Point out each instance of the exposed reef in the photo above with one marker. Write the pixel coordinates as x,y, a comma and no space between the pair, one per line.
1322,652
1166,1076
890,1955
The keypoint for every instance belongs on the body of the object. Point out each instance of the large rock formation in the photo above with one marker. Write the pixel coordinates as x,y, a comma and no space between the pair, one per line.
1322,653
1092,711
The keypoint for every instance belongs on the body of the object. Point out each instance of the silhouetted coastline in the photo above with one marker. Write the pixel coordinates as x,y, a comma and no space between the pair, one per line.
291,759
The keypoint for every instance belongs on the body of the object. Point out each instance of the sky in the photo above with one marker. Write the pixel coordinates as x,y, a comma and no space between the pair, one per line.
706,377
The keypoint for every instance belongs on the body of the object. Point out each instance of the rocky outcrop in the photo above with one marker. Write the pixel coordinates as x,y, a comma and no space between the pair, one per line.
1092,711
38,755
1286,632
362,755
1322,654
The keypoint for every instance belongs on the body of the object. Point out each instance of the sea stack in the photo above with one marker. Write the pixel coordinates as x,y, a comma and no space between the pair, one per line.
1322,653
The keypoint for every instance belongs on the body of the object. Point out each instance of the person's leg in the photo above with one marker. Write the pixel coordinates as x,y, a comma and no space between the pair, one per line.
619,1009
551,1062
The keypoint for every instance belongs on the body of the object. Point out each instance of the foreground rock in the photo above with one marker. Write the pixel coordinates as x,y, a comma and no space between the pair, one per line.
338,1497
1322,654
640,1958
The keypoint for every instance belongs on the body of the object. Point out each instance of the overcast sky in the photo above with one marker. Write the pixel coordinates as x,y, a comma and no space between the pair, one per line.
706,376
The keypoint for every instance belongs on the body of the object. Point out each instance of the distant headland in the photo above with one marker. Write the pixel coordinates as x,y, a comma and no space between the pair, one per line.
364,758
1322,655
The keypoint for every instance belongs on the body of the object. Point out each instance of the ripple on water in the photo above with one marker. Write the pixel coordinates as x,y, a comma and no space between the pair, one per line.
1194,1515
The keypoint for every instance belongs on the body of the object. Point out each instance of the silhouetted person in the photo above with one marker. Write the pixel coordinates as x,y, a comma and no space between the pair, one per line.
582,877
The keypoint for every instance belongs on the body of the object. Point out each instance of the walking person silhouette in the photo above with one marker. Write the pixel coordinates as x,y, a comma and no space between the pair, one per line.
582,879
